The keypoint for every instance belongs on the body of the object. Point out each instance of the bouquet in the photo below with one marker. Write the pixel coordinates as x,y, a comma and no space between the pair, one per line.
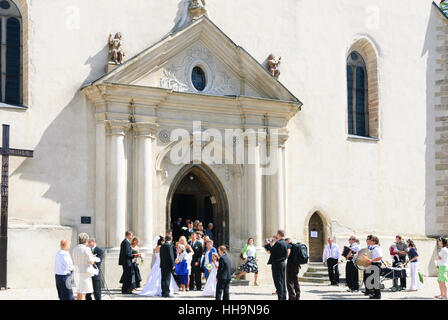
208,266
420,277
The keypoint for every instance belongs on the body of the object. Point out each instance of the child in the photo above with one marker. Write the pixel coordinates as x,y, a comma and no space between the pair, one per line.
394,254
210,286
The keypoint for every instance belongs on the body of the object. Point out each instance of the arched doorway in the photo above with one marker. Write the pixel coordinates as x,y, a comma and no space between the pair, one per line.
316,237
197,194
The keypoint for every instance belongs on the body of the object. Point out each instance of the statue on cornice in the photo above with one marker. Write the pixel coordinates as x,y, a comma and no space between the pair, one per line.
189,10
273,65
197,8
116,53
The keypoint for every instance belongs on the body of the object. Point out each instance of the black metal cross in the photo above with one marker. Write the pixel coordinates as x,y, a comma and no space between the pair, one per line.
6,152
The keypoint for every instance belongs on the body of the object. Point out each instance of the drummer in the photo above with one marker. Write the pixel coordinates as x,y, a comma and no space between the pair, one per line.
351,272
376,261
364,277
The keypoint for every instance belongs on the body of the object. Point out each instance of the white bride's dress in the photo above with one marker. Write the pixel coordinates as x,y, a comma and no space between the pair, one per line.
210,286
153,286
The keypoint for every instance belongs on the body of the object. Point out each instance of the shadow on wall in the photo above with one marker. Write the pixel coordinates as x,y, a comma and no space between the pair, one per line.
64,158
430,49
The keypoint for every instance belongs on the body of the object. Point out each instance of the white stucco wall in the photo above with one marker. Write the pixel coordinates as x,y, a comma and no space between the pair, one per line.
363,187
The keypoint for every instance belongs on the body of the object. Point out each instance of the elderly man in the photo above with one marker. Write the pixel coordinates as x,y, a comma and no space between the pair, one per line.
209,231
403,249
330,258
98,253
63,269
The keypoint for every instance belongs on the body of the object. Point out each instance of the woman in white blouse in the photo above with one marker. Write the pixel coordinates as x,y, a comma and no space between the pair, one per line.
250,265
83,259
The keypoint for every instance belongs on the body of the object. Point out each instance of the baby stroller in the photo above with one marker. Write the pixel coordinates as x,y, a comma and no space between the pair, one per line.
392,273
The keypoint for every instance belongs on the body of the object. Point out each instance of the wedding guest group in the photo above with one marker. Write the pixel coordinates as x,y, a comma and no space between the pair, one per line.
181,266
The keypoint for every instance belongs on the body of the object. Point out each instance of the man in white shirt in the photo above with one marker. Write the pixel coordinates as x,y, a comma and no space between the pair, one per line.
63,268
330,258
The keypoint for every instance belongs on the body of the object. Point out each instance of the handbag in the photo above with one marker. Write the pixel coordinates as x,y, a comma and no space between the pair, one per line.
243,254
92,271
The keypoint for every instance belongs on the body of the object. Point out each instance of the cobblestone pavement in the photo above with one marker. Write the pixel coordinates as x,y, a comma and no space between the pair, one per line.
264,292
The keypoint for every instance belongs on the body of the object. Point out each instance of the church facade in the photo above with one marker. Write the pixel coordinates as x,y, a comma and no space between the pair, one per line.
183,112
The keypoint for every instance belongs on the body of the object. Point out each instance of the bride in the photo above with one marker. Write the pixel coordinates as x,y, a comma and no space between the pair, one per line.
153,286
210,286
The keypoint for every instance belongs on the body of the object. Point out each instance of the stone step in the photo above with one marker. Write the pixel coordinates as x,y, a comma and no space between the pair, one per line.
239,283
317,269
316,274
314,280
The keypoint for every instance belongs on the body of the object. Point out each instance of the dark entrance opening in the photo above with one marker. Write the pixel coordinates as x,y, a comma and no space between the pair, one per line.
197,194
316,238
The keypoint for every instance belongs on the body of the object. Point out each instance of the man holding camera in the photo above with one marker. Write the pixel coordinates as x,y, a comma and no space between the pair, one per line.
279,252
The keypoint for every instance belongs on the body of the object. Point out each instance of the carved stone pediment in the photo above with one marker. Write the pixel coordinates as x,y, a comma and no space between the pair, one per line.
229,70
176,73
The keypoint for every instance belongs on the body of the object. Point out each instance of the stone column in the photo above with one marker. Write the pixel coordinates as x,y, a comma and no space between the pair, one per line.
254,189
117,184
100,182
275,175
144,177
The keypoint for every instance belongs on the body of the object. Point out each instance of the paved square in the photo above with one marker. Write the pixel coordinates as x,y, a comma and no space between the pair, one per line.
264,292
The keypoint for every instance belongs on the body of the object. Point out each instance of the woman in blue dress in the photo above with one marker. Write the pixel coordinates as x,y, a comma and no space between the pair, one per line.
207,260
181,267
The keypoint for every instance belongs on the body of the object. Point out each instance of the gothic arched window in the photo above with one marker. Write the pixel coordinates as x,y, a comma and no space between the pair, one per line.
358,106
10,53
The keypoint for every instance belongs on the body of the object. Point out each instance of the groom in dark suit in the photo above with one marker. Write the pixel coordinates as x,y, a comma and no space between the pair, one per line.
224,275
125,261
196,270
166,265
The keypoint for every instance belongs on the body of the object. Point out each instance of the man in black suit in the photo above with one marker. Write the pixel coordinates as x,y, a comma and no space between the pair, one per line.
224,275
166,265
188,231
125,260
177,229
196,270
96,279
279,252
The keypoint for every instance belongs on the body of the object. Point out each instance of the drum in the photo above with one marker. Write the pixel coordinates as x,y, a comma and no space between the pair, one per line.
361,259
345,252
